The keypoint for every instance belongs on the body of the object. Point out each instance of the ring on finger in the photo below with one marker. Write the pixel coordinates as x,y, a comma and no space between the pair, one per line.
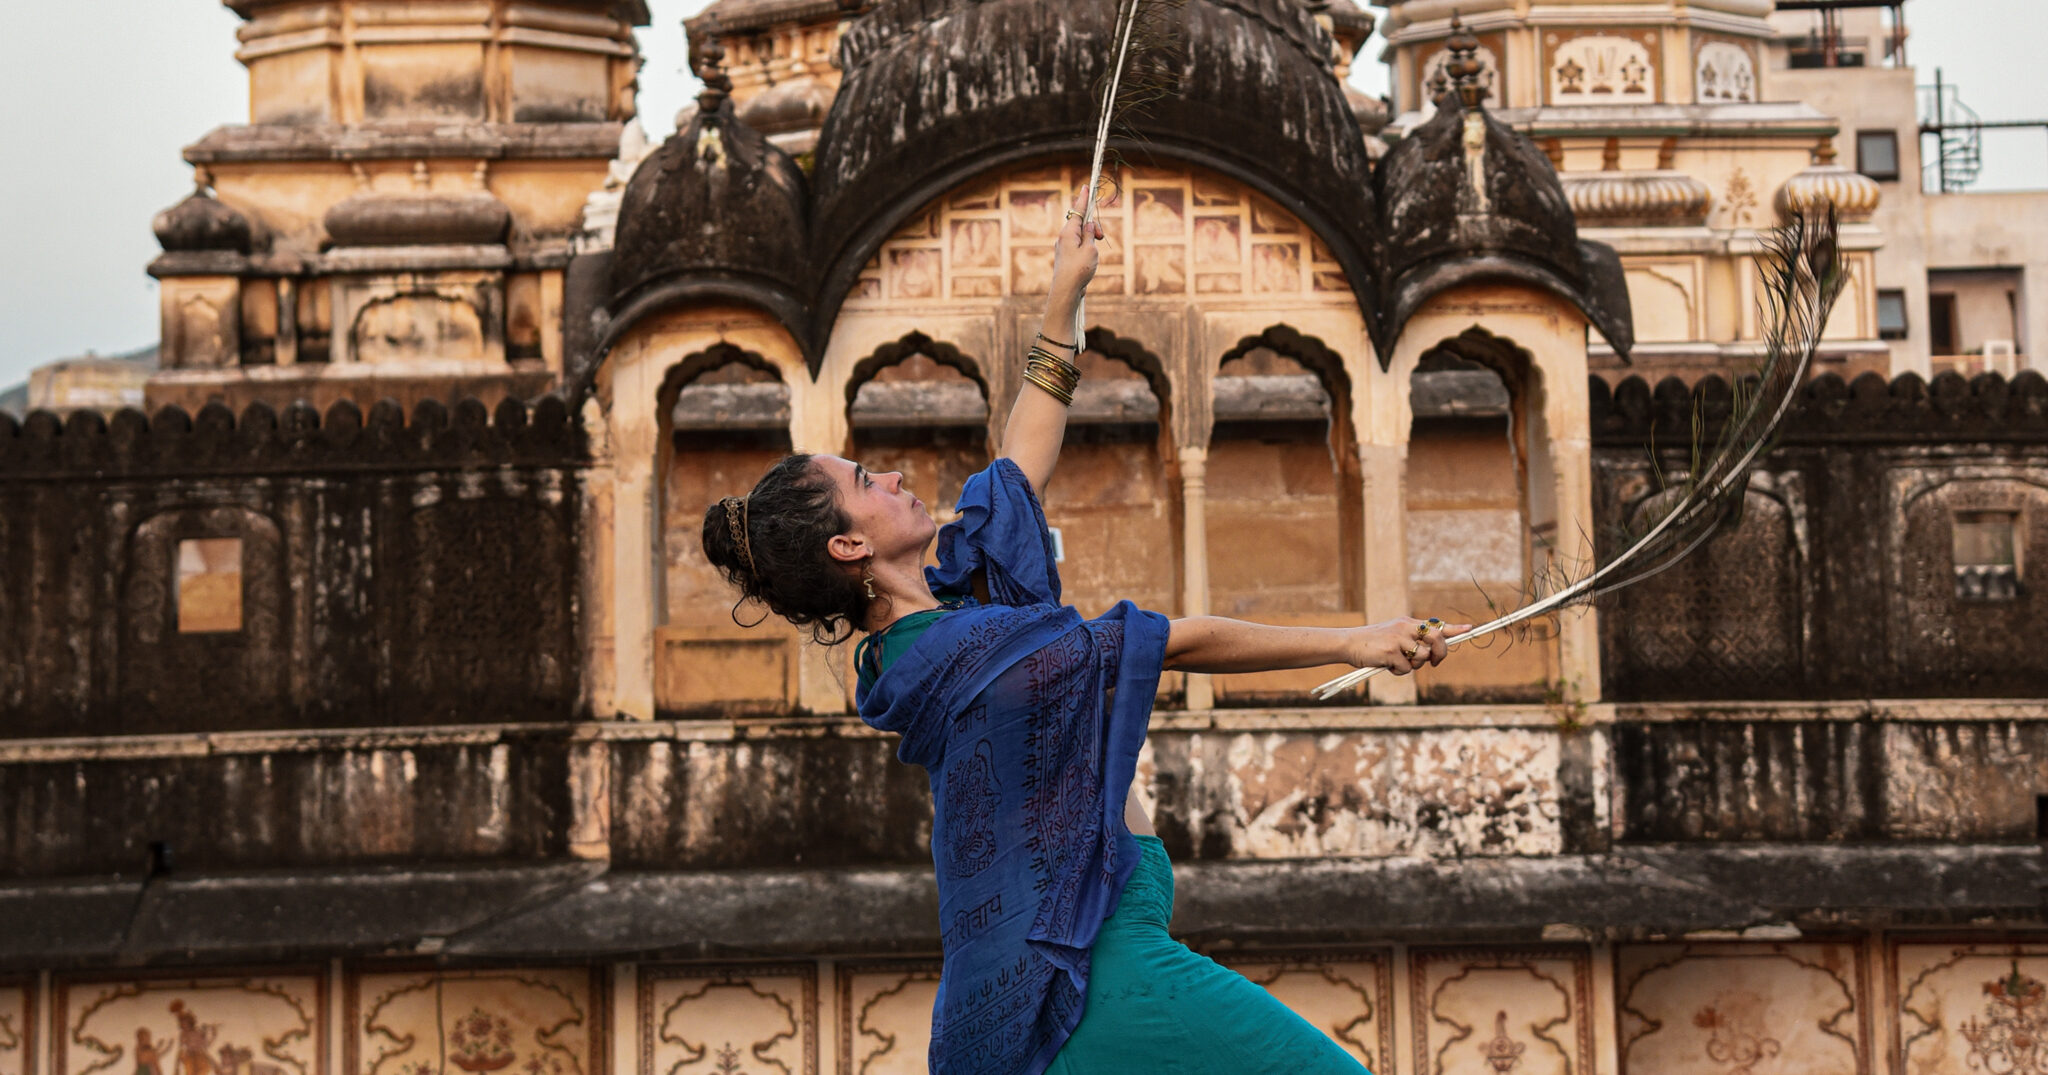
1072,213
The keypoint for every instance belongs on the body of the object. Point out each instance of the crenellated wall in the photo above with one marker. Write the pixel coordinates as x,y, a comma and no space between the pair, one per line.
221,572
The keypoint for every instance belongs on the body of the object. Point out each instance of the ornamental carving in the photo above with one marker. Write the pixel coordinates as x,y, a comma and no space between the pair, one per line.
1170,231
1601,68
1724,73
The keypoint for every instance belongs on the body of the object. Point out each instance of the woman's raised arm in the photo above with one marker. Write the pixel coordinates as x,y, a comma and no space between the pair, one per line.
1038,422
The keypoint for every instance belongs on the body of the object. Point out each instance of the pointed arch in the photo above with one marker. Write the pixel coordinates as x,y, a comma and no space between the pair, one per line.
914,343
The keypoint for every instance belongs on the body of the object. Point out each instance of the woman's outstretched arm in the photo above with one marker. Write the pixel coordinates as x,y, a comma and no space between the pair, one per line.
1038,421
1215,644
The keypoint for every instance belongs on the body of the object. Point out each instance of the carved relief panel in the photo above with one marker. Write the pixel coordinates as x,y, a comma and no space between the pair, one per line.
884,1012
1968,1008
1728,1009
201,322
513,1021
1481,1011
1724,71
402,319
1606,66
1346,995
222,1025
730,1019
1172,231
17,1027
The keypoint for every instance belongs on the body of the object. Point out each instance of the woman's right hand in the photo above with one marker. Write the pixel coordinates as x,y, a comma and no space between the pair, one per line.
1400,646
1074,255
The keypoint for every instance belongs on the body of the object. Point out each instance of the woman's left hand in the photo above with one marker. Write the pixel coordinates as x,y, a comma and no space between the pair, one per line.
1074,255
1400,646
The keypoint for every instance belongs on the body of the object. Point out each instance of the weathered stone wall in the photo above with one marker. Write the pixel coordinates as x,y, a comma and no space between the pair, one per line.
1844,576
385,571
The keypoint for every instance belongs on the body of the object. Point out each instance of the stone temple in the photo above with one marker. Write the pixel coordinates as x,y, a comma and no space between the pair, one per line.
369,708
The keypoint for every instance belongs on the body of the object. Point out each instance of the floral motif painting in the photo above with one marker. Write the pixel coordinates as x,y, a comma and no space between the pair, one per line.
269,1025
1742,1009
729,1020
519,1022
1486,1011
1972,1008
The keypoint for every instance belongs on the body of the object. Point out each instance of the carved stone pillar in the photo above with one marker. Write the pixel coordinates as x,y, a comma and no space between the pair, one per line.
1383,489
636,545
1194,593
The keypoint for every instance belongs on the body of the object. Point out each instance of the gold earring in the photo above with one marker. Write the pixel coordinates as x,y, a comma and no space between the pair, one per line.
867,582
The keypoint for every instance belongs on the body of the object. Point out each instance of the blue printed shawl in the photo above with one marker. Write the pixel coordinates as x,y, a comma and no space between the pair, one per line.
1029,720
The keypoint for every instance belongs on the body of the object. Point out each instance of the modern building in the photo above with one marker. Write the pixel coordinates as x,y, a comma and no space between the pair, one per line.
367,707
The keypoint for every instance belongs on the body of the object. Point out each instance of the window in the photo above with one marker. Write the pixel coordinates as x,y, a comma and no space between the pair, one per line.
1987,555
209,585
1891,315
1941,324
1877,154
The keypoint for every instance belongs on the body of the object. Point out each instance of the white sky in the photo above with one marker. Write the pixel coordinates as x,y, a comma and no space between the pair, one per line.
103,94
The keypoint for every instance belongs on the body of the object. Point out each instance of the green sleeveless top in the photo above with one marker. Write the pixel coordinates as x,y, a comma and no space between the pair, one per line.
880,650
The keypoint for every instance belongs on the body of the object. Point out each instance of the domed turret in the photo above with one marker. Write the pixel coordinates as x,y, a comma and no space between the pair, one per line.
1853,195
202,222
1464,197
1634,199
715,210
936,91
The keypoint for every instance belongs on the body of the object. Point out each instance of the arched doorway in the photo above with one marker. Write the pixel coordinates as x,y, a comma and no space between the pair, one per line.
1283,502
1481,538
726,413
1112,500
920,406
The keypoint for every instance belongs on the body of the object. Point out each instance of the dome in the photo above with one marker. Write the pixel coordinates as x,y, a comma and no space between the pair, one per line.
201,222
715,210
936,91
1853,194
1635,199
1444,225
418,219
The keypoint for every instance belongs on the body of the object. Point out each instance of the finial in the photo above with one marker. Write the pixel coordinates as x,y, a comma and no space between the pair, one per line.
707,62
1824,151
1464,68
202,179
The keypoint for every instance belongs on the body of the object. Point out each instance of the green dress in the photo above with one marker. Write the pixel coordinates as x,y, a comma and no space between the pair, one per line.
1154,1005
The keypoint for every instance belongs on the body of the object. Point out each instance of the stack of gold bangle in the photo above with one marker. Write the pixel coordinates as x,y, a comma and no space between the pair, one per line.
1057,376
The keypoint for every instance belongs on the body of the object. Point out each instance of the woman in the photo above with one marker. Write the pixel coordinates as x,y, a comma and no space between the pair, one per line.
1054,893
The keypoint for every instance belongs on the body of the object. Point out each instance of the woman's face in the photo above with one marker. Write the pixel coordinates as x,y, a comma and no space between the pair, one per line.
886,519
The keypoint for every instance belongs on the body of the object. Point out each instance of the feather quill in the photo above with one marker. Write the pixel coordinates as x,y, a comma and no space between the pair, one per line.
1803,275
1142,69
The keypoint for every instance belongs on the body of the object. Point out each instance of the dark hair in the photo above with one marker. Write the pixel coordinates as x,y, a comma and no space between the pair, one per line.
793,510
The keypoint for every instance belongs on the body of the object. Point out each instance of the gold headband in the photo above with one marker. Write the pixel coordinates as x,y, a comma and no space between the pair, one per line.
736,523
